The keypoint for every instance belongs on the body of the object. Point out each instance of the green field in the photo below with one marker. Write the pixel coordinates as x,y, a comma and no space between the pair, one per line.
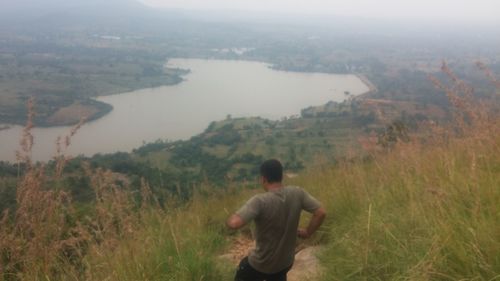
58,80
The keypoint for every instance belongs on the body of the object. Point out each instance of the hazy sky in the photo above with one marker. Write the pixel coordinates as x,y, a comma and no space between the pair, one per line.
483,11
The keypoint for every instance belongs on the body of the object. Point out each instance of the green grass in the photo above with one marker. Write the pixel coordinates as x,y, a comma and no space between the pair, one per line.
181,244
173,247
420,212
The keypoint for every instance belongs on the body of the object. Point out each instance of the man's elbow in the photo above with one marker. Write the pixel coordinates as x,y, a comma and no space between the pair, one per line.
231,224
320,213
234,222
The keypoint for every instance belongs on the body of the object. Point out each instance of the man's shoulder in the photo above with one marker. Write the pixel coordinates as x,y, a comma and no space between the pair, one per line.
294,189
256,197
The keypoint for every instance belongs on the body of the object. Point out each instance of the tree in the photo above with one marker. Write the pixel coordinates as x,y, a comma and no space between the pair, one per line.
395,132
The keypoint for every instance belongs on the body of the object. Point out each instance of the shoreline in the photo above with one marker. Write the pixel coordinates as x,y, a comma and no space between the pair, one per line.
168,78
5,127
95,116
104,108
371,87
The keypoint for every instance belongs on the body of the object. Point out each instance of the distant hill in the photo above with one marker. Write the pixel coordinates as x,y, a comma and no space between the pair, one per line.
58,13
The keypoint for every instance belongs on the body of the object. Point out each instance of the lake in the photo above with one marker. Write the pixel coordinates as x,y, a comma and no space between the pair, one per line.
211,91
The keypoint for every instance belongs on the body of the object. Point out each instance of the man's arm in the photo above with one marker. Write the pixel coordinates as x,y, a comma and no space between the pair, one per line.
245,214
235,222
315,222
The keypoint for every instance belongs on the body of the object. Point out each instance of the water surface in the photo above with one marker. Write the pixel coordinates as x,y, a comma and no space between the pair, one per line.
212,90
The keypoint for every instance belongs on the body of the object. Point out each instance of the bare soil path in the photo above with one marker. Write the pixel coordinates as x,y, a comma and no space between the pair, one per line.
305,268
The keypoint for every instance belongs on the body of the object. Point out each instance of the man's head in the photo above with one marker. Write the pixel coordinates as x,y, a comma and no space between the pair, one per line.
271,172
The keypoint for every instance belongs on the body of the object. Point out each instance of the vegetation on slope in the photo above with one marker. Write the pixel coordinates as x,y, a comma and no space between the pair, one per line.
231,150
422,210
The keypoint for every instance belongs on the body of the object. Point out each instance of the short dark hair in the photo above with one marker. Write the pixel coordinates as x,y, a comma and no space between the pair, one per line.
272,170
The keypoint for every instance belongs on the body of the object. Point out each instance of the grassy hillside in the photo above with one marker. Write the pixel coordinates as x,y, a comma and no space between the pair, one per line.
230,150
426,209
419,212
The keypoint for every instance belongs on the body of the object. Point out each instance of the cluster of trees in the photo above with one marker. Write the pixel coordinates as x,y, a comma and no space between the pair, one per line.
347,109
226,135
408,85
9,170
190,155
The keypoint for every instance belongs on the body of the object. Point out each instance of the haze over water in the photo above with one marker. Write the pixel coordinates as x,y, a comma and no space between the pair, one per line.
213,90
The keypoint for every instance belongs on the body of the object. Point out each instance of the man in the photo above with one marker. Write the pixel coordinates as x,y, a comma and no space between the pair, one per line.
276,214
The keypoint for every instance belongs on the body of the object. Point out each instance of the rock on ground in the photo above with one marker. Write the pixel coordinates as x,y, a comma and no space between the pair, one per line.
306,266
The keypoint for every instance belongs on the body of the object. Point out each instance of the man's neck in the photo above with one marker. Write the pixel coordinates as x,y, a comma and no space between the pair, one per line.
274,186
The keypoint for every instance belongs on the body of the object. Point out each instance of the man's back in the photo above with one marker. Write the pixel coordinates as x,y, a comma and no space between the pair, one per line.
276,214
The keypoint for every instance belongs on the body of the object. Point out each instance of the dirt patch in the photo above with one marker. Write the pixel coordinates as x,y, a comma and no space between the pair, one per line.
241,248
72,114
305,268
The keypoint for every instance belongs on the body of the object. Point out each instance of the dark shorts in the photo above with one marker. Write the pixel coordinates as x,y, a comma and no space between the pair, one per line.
248,273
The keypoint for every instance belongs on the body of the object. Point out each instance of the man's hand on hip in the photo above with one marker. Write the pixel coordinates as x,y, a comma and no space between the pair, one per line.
302,233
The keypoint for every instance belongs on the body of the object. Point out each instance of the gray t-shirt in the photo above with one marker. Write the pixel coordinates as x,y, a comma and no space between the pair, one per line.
276,215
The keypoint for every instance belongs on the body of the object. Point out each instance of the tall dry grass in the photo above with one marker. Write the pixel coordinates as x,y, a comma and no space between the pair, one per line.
120,236
428,209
